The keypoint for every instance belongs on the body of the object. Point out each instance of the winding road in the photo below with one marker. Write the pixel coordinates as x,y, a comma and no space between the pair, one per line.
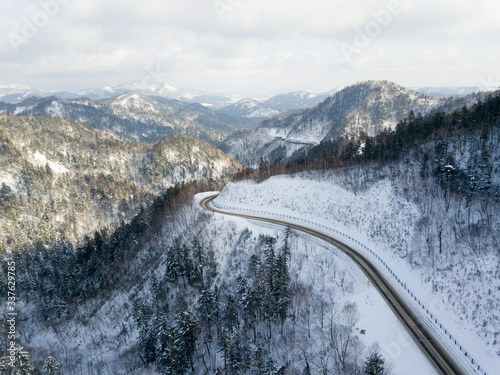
425,340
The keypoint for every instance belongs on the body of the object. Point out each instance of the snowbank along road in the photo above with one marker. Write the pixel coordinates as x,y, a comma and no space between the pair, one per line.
428,344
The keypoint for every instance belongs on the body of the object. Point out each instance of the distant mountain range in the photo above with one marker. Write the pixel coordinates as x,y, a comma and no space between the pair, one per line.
15,93
250,112
144,143
249,108
147,112
276,127
133,116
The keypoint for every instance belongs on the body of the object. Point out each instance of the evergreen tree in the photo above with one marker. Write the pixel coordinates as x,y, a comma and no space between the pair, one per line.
230,314
147,342
269,276
282,287
369,150
286,242
160,293
51,367
237,353
185,333
208,308
166,358
22,365
374,365
350,150
263,163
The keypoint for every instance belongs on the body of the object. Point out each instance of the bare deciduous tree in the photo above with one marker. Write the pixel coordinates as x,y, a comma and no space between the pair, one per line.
350,314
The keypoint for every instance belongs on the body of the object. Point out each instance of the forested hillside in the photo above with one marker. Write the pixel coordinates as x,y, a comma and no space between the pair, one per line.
180,291
61,179
133,116
176,290
365,108
426,194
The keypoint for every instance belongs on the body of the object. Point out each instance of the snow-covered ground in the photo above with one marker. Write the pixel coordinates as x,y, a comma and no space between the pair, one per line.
320,266
380,220
323,281
104,334
42,160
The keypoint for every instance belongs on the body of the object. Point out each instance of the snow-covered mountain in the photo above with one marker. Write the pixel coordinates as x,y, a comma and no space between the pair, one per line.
13,93
249,108
133,116
161,89
100,93
294,100
396,212
177,290
366,107
101,179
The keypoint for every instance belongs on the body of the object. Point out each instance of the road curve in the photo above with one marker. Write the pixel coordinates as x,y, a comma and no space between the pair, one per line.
428,344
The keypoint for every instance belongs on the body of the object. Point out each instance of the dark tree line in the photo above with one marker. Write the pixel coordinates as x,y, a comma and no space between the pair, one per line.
58,277
233,320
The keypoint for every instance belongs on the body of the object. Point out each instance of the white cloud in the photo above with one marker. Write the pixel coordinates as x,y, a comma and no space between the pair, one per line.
277,44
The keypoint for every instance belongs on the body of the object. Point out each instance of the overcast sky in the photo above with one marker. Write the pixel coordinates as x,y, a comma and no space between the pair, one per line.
245,46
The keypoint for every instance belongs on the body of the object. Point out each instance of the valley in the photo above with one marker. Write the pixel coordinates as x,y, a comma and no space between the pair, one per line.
118,268
249,187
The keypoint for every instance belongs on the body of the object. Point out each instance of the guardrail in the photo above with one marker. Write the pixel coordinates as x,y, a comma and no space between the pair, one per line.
425,310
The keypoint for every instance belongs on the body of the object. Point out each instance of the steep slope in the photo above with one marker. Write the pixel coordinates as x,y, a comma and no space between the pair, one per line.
364,108
61,179
181,291
401,222
184,158
425,199
132,116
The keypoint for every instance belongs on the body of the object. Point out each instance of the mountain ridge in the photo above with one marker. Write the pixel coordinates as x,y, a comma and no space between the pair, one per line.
362,108
132,116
